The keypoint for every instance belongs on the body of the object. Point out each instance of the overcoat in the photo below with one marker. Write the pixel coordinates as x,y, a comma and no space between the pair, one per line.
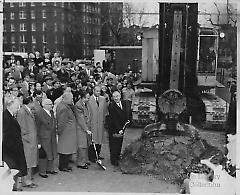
97,118
27,123
12,145
66,129
46,127
83,119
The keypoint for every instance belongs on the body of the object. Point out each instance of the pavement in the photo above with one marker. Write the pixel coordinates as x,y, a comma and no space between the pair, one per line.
97,180
112,180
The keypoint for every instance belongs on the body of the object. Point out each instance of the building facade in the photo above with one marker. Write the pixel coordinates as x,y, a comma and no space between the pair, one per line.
72,28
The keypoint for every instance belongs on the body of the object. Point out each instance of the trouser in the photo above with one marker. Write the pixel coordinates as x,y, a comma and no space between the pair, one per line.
64,160
27,180
45,165
92,153
82,156
17,182
115,146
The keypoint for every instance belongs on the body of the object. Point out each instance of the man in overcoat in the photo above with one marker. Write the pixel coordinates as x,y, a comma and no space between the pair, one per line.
83,119
119,114
26,120
46,126
98,111
12,145
66,130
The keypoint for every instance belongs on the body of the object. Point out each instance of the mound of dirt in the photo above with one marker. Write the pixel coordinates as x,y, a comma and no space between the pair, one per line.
168,155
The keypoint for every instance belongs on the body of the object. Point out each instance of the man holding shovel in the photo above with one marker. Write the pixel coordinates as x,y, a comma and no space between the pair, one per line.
119,116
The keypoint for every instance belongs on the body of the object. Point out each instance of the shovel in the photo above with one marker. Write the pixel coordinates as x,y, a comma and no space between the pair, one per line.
98,161
120,134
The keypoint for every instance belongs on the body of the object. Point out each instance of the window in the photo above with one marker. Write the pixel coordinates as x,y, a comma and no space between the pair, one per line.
4,16
55,4
43,13
12,39
4,28
63,40
69,17
44,39
33,27
33,39
23,49
33,48
55,27
22,27
63,27
12,28
62,4
84,40
84,19
11,4
56,40
43,26
5,39
55,12
22,39
32,4
62,15
22,4
44,4
33,16
69,5
22,15
12,16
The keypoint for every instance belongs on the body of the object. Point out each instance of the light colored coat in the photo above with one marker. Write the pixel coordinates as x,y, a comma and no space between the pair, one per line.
83,119
27,123
46,126
67,129
97,118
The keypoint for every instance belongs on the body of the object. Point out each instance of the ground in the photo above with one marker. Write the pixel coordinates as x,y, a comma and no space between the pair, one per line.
112,180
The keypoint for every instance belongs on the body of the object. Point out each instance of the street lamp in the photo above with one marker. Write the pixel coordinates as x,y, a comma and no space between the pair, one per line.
222,35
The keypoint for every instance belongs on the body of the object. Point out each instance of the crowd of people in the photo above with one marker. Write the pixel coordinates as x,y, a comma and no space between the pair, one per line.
54,108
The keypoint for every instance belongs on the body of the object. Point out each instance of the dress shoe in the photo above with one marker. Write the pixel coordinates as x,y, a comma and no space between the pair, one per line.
88,163
83,167
43,175
100,158
69,168
17,189
52,172
64,169
32,185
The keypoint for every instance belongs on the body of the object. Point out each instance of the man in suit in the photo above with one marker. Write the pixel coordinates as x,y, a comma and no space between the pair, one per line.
30,69
83,119
67,131
119,113
98,112
46,126
26,120
12,145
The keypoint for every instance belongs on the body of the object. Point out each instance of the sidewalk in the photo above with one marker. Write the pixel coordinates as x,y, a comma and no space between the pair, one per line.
96,180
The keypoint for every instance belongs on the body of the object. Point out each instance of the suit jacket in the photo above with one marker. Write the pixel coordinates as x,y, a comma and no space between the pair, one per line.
12,145
117,116
66,128
27,71
27,123
97,118
83,120
46,126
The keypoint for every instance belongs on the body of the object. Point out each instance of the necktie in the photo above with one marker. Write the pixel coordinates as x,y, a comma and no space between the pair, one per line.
120,105
97,101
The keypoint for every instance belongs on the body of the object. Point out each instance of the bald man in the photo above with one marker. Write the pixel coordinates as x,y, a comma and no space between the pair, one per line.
119,113
46,127
67,131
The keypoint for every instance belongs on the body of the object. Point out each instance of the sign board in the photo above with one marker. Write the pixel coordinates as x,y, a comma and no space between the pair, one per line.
99,56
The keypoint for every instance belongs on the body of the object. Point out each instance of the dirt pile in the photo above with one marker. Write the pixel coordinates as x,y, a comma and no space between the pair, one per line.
169,156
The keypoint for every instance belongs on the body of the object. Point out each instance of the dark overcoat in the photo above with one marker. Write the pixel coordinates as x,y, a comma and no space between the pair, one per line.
46,128
12,146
